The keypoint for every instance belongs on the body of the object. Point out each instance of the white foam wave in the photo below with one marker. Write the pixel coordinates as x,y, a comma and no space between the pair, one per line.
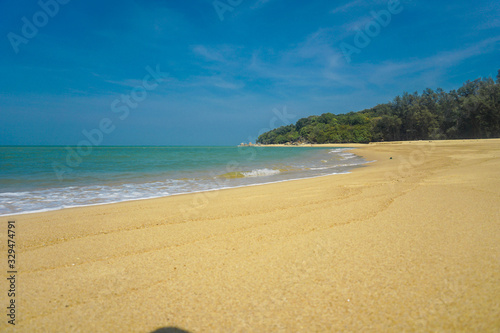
76,196
338,150
261,172
347,156
13,194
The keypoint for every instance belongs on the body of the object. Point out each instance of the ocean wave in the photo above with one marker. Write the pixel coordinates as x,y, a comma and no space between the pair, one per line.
254,173
261,172
347,156
319,168
124,188
13,194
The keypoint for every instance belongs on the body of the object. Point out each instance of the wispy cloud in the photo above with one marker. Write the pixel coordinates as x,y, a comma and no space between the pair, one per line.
218,53
327,69
345,7
318,45
216,81
488,16
490,24
208,54
392,71
358,24
358,3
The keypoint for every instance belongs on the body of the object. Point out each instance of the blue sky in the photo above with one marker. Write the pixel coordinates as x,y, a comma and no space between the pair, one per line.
223,81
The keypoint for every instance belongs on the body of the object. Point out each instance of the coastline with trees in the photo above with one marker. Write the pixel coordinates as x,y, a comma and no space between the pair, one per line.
470,112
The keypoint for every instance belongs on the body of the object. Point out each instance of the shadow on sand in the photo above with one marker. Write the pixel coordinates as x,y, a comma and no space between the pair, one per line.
170,330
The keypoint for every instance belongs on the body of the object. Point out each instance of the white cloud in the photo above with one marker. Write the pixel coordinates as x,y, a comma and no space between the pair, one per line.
345,7
391,71
216,81
490,24
209,54
218,53
357,3
359,24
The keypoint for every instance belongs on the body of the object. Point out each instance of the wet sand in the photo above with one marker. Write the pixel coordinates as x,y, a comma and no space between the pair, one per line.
410,243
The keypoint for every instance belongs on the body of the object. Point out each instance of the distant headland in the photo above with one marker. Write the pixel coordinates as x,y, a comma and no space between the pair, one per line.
471,112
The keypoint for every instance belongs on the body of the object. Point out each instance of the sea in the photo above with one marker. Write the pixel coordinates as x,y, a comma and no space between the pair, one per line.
36,179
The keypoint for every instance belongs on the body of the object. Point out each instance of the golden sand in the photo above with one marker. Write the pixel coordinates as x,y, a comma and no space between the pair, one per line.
410,243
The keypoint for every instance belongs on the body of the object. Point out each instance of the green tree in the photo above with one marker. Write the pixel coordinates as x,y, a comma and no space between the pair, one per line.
472,111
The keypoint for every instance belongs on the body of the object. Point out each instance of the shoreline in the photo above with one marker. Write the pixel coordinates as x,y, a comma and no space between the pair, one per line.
373,143
258,181
186,193
408,243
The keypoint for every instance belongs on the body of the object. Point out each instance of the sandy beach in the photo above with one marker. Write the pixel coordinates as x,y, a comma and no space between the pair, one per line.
410,242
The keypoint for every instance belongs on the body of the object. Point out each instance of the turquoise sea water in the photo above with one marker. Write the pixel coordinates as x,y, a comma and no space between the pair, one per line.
48,178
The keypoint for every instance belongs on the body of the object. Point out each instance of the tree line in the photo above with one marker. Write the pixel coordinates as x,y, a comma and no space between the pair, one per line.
472,111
